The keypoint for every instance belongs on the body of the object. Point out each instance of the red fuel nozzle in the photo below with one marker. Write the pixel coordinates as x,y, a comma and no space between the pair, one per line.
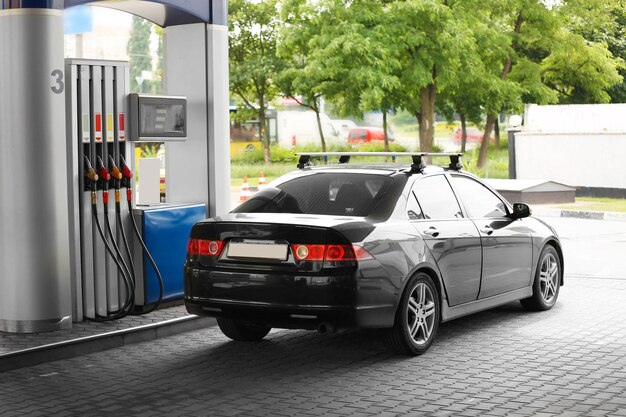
115,173
102,172
126,172
90,172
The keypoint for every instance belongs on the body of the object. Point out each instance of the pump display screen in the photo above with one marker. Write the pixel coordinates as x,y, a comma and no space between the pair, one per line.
158,118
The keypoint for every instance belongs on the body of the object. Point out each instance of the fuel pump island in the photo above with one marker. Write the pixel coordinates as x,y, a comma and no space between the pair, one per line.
74,244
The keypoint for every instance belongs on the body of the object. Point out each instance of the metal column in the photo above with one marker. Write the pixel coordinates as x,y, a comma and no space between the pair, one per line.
34,260
199,168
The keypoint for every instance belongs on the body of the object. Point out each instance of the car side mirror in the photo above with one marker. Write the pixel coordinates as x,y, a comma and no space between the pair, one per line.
520,210
413,215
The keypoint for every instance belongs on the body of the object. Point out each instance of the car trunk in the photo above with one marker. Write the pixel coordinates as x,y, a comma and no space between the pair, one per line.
259,260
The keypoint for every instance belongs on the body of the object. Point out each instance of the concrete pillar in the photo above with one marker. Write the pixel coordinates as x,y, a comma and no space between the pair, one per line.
34,237
512,164
196,66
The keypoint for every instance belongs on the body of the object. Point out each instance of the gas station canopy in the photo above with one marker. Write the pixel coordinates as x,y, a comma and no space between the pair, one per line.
161,12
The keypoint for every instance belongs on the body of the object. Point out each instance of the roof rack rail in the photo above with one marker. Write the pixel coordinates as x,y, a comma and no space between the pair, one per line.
417,157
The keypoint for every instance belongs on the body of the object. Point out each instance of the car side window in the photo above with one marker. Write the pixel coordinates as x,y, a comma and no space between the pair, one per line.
436,198
479,201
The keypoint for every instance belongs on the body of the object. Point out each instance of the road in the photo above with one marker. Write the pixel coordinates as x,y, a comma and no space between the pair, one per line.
592,248
568,361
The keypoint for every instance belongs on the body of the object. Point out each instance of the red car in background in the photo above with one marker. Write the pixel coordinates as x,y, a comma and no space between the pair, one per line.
357,135
473,135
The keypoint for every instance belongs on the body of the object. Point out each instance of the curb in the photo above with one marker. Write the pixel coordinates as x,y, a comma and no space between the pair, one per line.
98,343
579,214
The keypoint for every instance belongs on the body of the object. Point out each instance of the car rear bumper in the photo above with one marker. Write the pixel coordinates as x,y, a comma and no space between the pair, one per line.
282,301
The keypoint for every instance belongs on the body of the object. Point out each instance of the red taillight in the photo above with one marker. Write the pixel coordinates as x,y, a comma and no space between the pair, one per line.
308,252
329,253
204,247
339,253
192,247
360,253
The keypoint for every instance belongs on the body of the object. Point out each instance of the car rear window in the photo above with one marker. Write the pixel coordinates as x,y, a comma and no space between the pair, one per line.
338,194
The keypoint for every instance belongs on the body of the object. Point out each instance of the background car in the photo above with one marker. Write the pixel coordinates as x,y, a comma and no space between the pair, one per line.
360,135
473,134
343,126
373,246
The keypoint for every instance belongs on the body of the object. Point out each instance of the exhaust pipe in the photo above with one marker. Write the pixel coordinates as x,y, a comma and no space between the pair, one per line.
324,328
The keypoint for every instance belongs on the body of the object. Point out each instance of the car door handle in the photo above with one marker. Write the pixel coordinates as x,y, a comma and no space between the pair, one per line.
431,231
487,230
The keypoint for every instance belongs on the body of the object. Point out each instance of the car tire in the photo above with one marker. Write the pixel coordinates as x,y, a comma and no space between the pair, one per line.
417,318
547,281
242,331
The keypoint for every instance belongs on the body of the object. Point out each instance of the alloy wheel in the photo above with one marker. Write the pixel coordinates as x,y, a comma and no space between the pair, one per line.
421,313
549,278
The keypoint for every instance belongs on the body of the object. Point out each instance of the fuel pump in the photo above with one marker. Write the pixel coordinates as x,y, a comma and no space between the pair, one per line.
120,179
91,181
117,271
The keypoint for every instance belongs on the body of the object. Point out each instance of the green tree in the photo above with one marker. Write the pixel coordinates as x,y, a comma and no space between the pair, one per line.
305,77
431,42
140,58
375,74
253,37
476,58
338,50
465,93
617,46
541,61
157,82
598,22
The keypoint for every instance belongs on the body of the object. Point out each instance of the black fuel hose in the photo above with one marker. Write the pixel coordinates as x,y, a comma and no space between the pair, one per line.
124,270
118,214
118,177
127,306
125,182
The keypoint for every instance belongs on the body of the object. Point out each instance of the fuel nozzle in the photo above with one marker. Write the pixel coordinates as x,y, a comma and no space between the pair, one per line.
115,172
91,176
117,176
105,177
102,171
90,173
127,174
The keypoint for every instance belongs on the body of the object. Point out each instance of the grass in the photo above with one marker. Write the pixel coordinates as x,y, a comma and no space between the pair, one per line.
497,165
597,204
251,165
252,171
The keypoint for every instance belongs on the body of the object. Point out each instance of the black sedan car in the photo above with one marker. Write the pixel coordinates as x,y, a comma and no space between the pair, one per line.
399,247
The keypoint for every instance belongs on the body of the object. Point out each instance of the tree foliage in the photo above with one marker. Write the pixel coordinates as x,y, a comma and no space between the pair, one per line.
545,60
475,58
140,57
254,64
599,22
337,50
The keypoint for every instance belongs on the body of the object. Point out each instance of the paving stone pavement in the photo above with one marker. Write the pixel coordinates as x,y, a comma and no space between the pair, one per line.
569,361
12,342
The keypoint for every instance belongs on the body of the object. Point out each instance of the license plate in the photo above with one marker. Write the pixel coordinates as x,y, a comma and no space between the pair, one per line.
269,250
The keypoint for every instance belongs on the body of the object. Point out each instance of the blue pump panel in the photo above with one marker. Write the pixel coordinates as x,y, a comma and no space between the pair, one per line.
166,233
